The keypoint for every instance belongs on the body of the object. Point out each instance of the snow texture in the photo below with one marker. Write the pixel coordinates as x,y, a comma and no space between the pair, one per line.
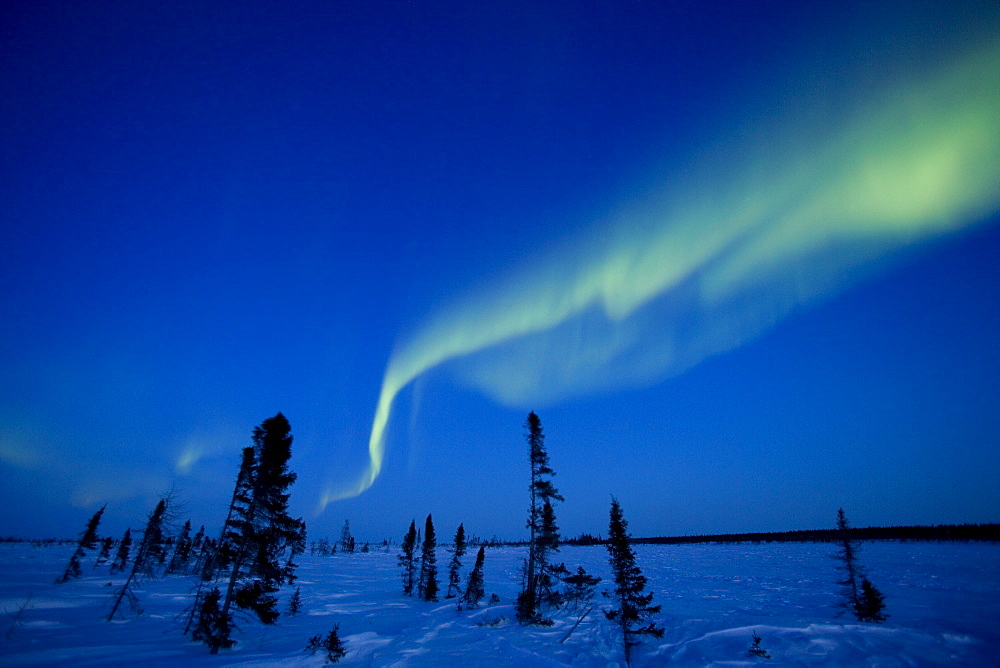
943,600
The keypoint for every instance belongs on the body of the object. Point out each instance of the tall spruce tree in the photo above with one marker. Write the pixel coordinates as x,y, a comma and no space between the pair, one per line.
543,535
407,559
88,541
859,595
261,531
147,556
221,556
346,539
633,606
457,552
427,585
474,590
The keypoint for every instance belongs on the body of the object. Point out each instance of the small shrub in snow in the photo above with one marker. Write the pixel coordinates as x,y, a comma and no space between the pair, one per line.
870,604
332,644
295,603
492,622
756,650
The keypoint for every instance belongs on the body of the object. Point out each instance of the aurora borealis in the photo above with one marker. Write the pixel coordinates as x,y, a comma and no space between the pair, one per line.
740,259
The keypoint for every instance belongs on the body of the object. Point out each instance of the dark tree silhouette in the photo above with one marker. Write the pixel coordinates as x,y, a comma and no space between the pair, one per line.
543,535
871,603
407,560
295,603
88,541
346,539
474,590
427,585
148,555
457,552
121,556
860,595
633,606
261,531
848,551
214,626
218,559
182,550
332,644
580,587
105,553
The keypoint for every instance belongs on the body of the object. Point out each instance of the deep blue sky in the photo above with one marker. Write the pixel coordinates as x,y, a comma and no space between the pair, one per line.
214,212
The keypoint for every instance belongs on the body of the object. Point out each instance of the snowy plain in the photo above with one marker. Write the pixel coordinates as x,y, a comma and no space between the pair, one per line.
943,600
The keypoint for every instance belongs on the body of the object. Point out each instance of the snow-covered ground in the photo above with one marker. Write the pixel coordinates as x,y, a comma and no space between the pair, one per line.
943,600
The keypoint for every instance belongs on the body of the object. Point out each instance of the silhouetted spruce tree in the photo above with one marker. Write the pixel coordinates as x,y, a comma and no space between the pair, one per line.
848,555
213,625
121,556
224,550
541,540
549,573
871,603
346,540
457,552
407,559
427,585
633,606
474,590
105,553
332,644
182,550
261,530
295,603
147,555
580,587
88,541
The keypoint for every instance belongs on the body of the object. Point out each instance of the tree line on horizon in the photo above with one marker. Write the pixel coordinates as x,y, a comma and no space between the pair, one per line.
253,558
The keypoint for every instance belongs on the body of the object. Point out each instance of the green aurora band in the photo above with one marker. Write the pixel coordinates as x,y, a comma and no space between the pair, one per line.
669,282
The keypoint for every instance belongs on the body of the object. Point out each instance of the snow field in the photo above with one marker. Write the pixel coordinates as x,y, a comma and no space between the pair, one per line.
943,600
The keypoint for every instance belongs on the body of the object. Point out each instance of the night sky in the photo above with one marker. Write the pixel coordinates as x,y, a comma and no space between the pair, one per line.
742,261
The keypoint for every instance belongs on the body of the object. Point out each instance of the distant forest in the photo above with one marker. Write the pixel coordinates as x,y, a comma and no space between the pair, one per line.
939,533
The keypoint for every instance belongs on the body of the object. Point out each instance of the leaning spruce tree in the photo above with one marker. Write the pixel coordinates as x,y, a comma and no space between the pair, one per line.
88,541
474,590
543,537
147,556
261,533
859,595
633,606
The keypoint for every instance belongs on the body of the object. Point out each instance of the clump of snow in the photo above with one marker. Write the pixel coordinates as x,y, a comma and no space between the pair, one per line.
943,600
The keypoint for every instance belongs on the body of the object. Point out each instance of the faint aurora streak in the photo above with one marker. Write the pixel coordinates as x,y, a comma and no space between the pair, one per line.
665,285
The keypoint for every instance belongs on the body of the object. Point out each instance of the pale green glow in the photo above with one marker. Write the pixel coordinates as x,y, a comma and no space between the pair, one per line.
665,285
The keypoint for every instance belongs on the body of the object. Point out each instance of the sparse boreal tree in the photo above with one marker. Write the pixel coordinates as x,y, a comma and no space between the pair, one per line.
633,606
457,552
427,585
218,559
88,541
407,559
847,554
213,625
860,595
295,603
346,539
871,603
332,644
543,540
261,531
474,590
105,553
182,550
147,556
580,587
121,556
